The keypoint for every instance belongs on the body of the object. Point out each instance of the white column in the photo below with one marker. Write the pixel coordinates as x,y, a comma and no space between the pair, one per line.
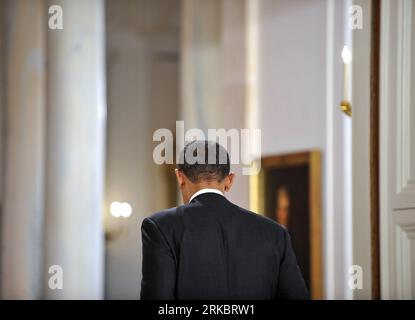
22,216
200,66
215,53
238,74
75,150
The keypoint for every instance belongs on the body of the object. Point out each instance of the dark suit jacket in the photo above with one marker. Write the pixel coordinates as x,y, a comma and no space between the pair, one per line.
213,249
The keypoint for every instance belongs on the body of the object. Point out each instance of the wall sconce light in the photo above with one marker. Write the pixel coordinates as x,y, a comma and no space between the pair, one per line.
118,210
345,105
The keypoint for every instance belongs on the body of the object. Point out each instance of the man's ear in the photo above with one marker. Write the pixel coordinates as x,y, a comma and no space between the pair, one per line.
180,177
229,181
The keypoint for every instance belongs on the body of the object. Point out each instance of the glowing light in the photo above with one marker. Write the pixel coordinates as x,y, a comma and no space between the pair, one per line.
120,209
346,55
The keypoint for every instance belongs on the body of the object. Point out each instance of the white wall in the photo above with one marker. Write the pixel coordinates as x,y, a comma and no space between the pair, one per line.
361,225
292,58
142,79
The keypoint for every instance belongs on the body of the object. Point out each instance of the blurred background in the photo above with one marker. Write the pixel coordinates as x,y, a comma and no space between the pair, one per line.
85,83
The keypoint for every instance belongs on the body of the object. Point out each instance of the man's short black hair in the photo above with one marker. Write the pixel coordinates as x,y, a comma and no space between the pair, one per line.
202,160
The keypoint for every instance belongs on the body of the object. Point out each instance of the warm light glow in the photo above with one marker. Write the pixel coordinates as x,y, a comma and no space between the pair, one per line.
346,55
118,209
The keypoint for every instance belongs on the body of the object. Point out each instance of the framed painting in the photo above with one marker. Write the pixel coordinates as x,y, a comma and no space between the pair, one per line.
288,190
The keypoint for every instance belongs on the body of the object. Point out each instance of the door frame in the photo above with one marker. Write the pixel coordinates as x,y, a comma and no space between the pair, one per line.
374,147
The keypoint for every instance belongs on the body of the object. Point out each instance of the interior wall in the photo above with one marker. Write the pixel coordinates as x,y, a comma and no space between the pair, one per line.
292,83
142,80
361,224
292,58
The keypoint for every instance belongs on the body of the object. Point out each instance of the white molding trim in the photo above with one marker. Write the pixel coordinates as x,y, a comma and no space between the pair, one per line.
384,156
329,252
337,205
405,254
397,188
405,183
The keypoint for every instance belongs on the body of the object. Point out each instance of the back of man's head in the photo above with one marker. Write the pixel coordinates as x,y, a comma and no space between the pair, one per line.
202,160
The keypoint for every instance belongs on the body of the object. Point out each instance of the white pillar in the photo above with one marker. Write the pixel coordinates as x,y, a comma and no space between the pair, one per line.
22,216
238,86
215,92
200,66
75,150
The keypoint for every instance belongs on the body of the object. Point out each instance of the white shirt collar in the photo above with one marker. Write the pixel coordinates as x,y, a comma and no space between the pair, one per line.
205,190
